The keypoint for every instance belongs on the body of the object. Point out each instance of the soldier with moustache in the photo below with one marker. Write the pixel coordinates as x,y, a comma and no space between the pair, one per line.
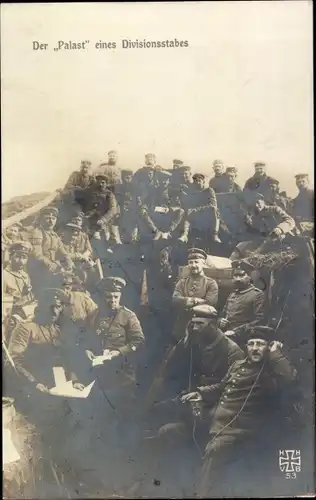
260,182
48,258
275,198
111,171
243,404
219,181
303,204
232,186
244,307
196,289
82,178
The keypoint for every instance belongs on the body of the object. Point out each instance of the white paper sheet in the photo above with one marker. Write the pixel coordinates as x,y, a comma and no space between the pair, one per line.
9,451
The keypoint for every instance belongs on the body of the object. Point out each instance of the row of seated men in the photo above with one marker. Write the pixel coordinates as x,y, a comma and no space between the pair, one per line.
228,362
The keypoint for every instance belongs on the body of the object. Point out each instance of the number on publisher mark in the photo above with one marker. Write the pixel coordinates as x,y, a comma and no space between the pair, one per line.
290,463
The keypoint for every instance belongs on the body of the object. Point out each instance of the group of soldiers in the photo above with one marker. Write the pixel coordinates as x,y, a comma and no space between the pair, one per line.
216,363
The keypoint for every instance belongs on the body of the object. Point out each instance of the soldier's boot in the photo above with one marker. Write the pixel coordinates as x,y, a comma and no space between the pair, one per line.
216,230
115,234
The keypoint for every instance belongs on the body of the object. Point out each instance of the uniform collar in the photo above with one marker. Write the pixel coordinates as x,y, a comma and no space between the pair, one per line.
202,275
18,274
240,292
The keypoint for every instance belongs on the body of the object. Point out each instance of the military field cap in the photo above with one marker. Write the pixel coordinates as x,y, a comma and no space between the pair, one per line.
183,168
51,294
150,155
112,152
301,176
259,196
21,247
127,171
259,164
68,280
218,162
196,253
198,176
101,177
50,209
233,170
177,162
203,311
72,225
260,332
16,224
242,265
85,162
111,284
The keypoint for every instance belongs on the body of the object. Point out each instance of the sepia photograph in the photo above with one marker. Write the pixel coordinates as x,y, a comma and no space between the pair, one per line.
157,250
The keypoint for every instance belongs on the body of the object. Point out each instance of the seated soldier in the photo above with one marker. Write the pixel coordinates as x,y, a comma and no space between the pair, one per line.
10,235
128,218
243,402
266,220
77,243
196,289
274,197
80,179
219,182
231,175
48,258
79,304
244,307
111,170
260,182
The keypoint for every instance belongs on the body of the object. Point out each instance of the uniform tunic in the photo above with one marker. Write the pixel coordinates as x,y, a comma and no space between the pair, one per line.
259,184
200,287
17,284
203,207
78,246
219,183
244,400
303,205
77,179
244,307
49,250
270,218
98,205
80,306
115,330
112,173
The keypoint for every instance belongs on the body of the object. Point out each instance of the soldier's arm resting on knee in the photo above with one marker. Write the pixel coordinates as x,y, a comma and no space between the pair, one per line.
18,345
37,252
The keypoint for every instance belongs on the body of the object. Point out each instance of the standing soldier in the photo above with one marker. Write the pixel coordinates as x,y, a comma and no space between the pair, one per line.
49,257
260,182
196,289
303,204
201,212
244,307
219,181
175,165
274,197
232,186
111,170
80,179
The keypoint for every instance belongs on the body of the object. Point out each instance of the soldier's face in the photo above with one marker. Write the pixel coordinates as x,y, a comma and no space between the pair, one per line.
67,288
302,183
260,171
18,260
199,182
102,185
128,178
196,329
274,188
50,220
241,279
85,168
112,158
112,299
231,177
187,176
259,205
150,160
218,168
12,232
257,350
196,265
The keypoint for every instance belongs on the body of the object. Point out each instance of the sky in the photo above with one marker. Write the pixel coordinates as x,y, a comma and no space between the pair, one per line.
241,91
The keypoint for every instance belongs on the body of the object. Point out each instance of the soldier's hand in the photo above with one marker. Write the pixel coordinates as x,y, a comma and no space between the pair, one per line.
277,233
165,236
114,354
183,238
190,397
223,322
78,386
42,388
99,223
275,345
90,355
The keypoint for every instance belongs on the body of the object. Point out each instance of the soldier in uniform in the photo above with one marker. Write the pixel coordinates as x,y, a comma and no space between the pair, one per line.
111,171
242,402
194,290
219,181
303,204
128,218
36,347
80,179
79,304
49,258
260,182
10,235
15,280
201,212
231,175
269,220
100,207
244,307
274,197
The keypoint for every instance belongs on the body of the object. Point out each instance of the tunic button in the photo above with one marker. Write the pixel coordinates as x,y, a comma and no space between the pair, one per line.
222,402
238,375
234,380
228,390
225,396
243,369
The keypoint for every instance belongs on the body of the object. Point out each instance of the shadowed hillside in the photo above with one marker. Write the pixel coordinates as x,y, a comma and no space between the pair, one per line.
19,203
